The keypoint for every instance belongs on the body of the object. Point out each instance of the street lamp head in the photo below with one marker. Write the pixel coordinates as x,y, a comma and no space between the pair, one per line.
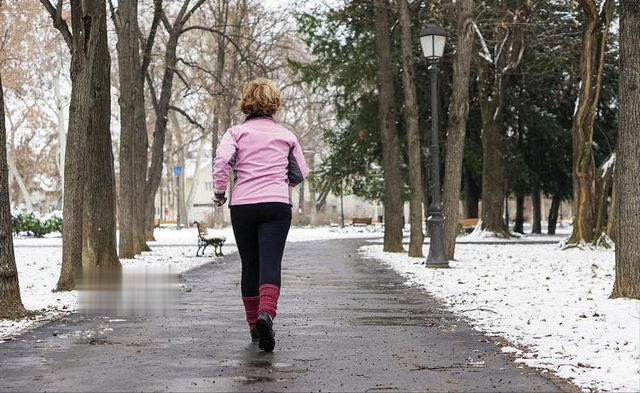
432,39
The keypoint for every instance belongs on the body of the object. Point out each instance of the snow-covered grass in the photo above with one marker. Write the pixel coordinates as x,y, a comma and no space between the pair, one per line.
39,261
552,304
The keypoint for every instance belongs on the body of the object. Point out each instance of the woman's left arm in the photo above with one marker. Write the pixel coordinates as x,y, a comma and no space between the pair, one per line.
298,169
222,163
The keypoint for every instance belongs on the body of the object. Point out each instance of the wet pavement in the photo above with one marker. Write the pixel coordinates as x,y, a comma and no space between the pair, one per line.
344,324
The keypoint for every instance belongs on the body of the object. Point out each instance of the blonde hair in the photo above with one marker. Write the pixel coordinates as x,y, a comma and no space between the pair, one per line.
261,97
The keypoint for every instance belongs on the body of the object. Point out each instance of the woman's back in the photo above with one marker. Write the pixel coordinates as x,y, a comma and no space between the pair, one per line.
266,160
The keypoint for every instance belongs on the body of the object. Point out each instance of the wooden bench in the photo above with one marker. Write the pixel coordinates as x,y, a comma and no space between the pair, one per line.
158,222
361,221
468,222
205,240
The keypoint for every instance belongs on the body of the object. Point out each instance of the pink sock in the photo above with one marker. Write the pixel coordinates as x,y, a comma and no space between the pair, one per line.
251,305
269,295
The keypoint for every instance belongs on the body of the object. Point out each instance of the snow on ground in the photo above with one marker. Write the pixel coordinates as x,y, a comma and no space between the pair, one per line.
39,261
552,304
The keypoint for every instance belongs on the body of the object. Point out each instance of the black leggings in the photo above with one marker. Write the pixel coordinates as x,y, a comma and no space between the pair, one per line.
261,232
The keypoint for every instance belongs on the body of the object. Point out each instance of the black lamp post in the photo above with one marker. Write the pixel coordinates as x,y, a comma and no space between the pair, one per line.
432,39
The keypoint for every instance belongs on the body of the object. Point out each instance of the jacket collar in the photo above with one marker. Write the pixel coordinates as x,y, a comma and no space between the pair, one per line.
255,116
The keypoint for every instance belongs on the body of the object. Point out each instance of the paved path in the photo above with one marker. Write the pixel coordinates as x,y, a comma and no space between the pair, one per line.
346,324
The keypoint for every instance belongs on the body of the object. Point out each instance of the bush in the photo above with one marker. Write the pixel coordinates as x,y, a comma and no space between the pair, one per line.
31,225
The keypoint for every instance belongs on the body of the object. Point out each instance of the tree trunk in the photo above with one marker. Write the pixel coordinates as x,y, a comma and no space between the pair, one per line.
99,227
301,207
553,215
413,133
312,192
62,128
536,201
85,45
196,180
162,111
10,302
604,186
133,132
218,212
627,176
471,199
425,189
492,70
458,115
519,221
24,191
390,145
610,231
493,171
594,37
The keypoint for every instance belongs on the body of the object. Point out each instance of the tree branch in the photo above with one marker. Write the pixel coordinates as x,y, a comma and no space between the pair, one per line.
183,9
166,23
58,22
186,116
221,33
148,47
152,92
191,11
115,17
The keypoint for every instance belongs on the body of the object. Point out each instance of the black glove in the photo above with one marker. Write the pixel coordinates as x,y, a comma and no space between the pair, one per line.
219,199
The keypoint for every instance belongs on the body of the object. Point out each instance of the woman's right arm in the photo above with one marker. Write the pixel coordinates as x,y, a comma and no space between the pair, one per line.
225,159
298,169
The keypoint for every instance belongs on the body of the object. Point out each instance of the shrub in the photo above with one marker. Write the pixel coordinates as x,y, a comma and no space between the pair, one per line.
31,225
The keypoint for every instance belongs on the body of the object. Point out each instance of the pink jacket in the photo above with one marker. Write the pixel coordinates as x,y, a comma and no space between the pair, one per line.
266,159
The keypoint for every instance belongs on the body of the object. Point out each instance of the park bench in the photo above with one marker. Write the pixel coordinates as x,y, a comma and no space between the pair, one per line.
205,240
157,222
361,221
468,223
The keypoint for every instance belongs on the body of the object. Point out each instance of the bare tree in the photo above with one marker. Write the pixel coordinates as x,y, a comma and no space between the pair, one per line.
627,177
413,132
390,145
99,226
458,114
505,36
594,37
10,301
163,101
132,67
87,42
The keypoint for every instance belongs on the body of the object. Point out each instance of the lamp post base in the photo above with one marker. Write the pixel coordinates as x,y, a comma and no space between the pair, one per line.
437,258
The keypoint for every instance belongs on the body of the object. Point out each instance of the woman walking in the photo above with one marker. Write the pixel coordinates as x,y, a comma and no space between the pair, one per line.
266,160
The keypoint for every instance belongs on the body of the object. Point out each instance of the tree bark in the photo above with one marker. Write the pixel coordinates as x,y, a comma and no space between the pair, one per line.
508,35
553,215
86,36
62,128
390,145
627,176
157,147
10,301
471,199
519,221
413,133
536,201
458,115
99,226
610,230
133,132
604,186
493,171
594,37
